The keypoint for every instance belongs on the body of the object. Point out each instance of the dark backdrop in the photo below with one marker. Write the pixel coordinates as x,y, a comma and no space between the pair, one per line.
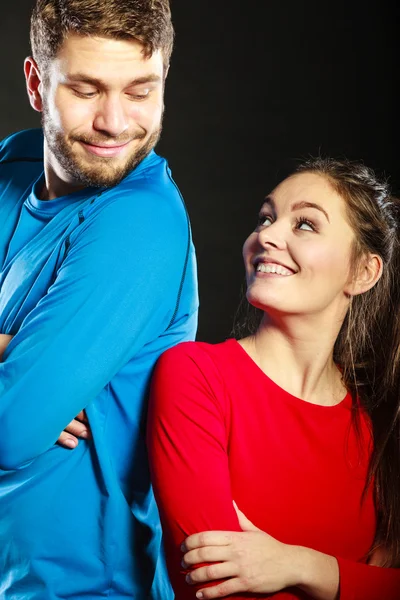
253,87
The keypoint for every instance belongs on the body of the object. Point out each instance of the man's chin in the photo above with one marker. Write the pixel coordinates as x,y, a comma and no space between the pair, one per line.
85,169
104,175
107,172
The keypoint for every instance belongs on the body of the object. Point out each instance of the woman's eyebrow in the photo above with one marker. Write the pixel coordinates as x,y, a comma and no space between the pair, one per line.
304,204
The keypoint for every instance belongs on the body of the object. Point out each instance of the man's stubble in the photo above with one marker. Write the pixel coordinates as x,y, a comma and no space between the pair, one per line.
96,171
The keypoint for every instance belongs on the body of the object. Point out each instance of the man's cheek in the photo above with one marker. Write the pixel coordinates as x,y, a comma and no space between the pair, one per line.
147,116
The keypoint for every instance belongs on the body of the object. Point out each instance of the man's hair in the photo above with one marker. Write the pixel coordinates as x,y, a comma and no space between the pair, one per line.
146,21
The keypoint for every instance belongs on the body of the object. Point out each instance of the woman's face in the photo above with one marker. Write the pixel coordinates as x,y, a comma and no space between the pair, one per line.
298,258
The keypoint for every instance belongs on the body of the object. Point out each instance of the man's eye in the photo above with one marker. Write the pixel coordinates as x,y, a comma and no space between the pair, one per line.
139,95
81,94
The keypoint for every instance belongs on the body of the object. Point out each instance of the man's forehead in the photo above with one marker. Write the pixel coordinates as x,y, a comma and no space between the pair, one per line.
106,60
78,48
84,77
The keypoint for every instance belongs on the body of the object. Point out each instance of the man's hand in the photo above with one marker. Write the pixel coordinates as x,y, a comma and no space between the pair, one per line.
4,341
78,428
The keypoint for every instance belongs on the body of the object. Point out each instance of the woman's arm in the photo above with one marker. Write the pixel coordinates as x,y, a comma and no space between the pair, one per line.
365,582
187,443
254,562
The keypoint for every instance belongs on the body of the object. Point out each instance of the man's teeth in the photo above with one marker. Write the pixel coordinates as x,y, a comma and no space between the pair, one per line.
270,268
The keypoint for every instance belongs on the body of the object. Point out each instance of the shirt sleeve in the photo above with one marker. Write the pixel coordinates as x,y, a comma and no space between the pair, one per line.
364,582
116,290
187,442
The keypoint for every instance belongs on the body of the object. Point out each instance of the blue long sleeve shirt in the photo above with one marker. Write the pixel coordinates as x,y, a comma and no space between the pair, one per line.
94,287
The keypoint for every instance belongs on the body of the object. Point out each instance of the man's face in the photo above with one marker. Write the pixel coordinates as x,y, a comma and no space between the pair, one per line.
102,109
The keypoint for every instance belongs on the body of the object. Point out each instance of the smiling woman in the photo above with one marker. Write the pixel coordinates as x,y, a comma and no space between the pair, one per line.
302,236
298,423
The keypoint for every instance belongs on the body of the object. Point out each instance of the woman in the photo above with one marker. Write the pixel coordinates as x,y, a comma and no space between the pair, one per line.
298,424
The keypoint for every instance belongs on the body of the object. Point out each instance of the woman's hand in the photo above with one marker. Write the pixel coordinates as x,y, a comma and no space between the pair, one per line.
257,563
253,561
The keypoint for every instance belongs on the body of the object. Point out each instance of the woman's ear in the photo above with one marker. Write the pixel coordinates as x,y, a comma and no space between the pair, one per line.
368,273
33,83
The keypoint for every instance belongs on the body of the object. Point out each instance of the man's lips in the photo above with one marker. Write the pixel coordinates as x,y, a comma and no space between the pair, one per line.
107,151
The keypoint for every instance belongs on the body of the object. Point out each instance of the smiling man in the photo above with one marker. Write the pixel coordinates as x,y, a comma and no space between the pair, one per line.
97,280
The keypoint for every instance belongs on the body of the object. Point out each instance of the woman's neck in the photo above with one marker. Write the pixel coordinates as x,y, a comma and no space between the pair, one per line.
297,353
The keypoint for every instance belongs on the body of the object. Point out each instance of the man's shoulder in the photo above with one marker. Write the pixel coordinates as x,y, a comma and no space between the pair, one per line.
148,194
22,146
145,210
152,178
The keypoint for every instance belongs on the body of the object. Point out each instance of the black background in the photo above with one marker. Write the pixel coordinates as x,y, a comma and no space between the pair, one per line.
253,87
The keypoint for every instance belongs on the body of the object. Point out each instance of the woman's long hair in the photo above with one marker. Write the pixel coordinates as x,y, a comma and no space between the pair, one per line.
368,345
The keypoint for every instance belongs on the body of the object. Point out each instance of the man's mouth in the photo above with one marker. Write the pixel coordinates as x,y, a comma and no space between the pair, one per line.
105,150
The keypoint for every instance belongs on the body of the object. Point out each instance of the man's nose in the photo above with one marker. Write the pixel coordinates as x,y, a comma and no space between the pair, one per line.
111,117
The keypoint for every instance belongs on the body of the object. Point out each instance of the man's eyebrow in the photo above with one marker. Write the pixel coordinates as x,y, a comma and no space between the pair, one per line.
304,204
84,78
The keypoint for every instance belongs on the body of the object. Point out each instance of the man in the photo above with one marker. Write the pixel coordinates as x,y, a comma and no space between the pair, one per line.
97,280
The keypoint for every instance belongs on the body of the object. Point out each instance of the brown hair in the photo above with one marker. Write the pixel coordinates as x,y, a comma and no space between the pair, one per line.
146,21
368,345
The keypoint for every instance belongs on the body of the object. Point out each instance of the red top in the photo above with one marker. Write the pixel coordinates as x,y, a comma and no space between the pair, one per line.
221,430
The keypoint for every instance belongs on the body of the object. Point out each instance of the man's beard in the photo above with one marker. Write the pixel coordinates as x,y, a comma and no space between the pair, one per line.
95,171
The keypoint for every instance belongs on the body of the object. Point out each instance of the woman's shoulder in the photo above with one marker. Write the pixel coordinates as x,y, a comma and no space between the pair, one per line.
199,352
192,370
190,360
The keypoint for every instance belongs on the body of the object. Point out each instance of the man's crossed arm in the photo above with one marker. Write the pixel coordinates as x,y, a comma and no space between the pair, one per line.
78,428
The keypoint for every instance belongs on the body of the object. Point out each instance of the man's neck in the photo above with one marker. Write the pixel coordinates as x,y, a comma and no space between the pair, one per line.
55,187
50,192
56,183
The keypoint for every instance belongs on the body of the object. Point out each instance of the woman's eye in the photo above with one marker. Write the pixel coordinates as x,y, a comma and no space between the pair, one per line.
264,221
305,225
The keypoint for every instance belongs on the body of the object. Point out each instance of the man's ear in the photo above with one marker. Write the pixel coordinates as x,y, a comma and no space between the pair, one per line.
33,83
368,273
